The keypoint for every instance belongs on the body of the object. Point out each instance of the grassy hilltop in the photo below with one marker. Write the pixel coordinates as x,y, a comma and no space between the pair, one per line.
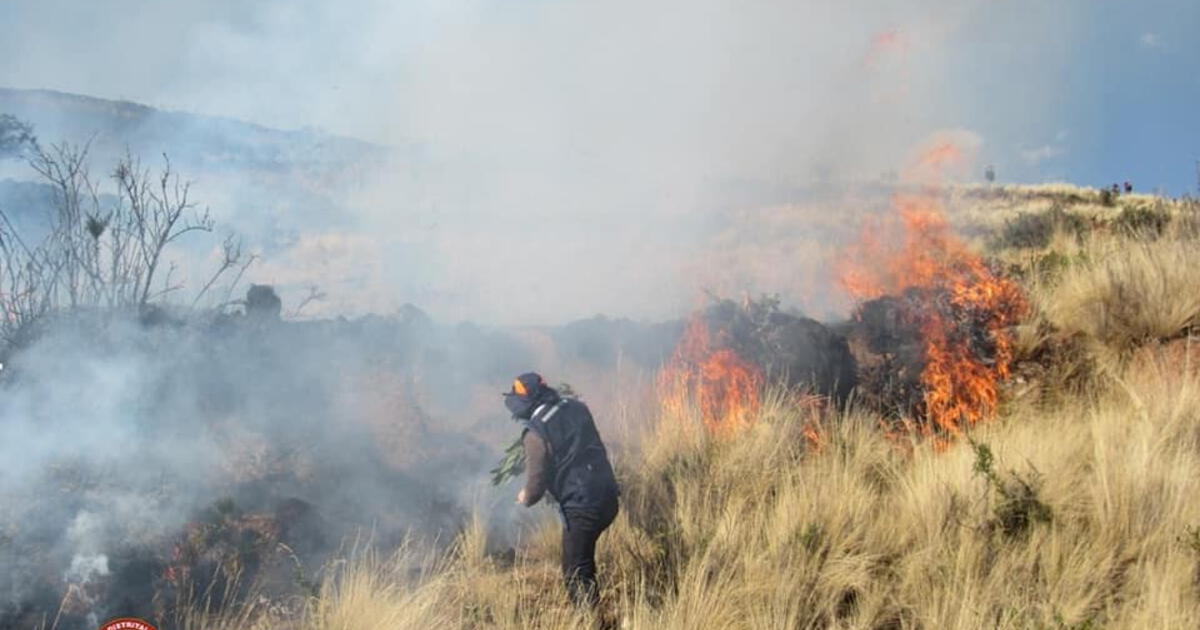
1075,507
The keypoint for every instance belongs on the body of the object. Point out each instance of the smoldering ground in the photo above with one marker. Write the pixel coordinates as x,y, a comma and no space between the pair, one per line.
164,454
143,459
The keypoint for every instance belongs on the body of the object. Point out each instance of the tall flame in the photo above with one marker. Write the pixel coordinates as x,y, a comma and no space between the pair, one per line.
725,388
962,310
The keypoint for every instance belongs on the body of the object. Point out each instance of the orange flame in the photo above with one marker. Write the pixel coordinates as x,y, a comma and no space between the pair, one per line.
725,388
956,301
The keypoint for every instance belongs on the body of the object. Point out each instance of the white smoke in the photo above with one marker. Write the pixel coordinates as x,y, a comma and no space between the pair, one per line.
589,149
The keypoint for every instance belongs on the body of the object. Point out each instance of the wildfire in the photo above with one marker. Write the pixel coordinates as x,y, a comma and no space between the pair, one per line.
960,309
724,387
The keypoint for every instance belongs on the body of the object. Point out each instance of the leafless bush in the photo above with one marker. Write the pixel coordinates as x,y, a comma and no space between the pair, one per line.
100,250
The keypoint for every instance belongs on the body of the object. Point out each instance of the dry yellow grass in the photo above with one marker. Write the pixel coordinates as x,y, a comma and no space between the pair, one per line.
1126,295
1086,517
764,532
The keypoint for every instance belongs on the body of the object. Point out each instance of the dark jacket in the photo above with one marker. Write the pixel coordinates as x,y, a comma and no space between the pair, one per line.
565,456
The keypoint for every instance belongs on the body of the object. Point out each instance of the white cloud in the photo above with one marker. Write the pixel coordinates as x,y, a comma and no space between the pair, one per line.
1037,155
1150,40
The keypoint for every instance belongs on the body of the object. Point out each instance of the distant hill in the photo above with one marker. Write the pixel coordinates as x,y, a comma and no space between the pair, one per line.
261,182
193,141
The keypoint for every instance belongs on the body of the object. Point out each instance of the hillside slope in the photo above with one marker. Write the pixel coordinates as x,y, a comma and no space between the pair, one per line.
195,141
1071,508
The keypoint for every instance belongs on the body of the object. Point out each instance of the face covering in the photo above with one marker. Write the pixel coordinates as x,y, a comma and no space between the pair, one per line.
520,406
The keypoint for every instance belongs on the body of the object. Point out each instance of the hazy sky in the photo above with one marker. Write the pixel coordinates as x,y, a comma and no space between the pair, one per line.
1085,90
576,140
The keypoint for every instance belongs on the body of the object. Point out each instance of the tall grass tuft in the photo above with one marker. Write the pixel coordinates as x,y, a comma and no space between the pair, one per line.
1122,298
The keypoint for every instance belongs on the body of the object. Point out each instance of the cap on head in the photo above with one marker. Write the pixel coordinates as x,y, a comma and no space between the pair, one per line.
527,384
525,390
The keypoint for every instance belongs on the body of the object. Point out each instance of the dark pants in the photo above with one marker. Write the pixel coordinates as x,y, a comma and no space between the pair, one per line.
581,528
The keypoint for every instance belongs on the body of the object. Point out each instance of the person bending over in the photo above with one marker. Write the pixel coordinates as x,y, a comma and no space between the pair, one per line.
565,456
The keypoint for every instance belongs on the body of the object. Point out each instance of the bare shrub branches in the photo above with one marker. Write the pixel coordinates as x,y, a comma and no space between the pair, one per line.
159,213
100,250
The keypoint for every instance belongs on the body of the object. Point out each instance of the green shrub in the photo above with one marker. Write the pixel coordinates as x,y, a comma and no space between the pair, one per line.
1033,230
1016,505
1050,264
1142,221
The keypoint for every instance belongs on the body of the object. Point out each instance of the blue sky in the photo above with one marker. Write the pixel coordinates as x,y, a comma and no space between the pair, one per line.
1123,103
1143,121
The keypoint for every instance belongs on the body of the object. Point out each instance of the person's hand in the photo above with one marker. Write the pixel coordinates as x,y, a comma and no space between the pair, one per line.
521,497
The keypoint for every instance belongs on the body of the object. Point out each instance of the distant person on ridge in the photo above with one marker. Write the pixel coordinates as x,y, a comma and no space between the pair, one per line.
565,456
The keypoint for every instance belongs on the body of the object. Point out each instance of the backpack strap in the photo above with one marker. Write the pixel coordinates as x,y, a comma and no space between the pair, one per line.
549,413
538,419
